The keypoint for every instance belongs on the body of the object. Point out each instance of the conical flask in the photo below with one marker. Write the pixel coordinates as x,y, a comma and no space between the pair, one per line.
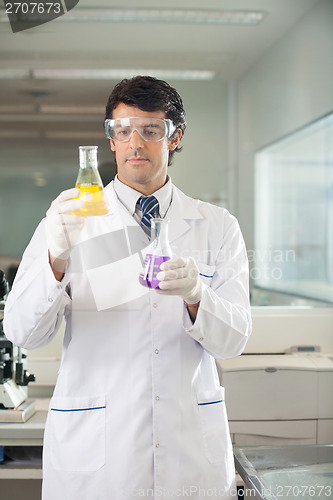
90,184
158,252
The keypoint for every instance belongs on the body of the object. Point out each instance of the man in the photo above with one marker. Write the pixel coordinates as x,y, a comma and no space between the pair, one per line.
138,410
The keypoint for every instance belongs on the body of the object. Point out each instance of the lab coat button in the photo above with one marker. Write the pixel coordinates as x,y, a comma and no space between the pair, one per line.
157,398
155,305
59,287
156,351
157,445
50,299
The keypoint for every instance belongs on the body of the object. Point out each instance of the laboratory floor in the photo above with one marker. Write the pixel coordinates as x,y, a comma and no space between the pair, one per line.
13,489
31,489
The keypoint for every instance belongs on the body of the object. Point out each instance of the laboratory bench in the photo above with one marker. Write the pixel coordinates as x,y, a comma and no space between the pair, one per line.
23,442
301,472
22,470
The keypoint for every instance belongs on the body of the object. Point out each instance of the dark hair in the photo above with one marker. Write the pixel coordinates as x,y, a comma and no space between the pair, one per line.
149,94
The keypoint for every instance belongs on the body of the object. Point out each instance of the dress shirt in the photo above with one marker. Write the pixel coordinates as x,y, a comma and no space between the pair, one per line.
129,198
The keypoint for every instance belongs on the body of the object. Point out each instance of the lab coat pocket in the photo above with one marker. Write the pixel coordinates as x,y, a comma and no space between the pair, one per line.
214,424
78,433
206,272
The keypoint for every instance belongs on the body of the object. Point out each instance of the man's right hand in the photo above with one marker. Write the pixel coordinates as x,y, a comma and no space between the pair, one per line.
63,228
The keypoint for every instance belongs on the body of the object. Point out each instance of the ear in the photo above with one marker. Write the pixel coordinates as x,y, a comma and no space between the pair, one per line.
174,141
112,145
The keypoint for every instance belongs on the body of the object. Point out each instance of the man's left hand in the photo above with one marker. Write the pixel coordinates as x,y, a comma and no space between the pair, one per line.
181,277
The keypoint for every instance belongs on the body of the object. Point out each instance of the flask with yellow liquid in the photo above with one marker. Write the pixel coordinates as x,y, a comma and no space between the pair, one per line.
90,184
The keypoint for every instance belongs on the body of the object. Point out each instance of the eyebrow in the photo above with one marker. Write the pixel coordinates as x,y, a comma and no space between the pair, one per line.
126,120
157,125
119,123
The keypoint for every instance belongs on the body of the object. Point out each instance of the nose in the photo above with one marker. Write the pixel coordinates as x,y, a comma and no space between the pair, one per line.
136,141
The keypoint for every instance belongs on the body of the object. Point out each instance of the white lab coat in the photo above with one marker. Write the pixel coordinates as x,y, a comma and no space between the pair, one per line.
138,410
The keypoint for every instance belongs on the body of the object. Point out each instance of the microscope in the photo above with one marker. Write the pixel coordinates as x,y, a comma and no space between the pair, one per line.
14,379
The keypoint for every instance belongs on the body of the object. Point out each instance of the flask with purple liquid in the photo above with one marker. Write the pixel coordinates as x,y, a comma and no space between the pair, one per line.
158,252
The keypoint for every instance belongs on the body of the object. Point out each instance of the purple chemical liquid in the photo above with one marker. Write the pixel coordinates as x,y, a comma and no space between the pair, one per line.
150,269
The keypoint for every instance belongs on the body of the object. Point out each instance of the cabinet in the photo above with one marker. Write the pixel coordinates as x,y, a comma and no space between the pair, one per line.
23,475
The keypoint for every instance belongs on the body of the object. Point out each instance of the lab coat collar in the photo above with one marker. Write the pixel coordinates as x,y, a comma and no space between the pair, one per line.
182,206
117,208
122,217
186,207
112,199
181,211
129,197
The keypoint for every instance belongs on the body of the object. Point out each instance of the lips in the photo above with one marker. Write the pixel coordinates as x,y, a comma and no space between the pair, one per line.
137,159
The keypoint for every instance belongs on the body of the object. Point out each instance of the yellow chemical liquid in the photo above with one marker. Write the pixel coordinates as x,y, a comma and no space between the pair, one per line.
94,202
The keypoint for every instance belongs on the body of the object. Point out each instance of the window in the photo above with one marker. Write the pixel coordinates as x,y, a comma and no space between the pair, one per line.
294,213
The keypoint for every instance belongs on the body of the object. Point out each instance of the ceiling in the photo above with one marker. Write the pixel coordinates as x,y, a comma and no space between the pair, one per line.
51,115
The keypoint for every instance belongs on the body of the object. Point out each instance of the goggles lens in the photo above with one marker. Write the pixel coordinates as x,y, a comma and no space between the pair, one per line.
149,129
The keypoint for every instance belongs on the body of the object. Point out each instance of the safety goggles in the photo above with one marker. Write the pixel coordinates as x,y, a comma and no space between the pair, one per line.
149,129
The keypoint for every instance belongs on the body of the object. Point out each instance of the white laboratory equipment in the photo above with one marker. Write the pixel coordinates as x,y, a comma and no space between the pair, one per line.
279,399
14,378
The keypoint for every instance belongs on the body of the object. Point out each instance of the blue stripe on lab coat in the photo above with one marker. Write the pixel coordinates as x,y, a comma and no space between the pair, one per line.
80,409
211,403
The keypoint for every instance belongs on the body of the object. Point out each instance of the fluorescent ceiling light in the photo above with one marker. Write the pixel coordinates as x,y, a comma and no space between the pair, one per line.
117,74
74,135
25,108
53,135
51,109
104,74
44,118
190,16
21,134
171,16
72,110
17,74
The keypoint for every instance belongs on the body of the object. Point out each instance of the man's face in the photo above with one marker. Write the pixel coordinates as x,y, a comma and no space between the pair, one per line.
142,165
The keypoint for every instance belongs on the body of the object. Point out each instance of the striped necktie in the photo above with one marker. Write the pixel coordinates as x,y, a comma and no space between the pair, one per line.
150,208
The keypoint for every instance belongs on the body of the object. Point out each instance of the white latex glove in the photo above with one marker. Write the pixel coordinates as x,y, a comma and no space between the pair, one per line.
181,277
62,227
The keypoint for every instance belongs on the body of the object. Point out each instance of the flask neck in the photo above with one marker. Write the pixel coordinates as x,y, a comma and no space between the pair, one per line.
88,156
88,171
159,234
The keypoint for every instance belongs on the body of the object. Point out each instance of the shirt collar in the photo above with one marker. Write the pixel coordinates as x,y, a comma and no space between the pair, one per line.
129,196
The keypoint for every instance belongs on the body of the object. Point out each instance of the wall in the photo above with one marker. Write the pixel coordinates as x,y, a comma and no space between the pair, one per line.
277,329
291,85
201,169
23,205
